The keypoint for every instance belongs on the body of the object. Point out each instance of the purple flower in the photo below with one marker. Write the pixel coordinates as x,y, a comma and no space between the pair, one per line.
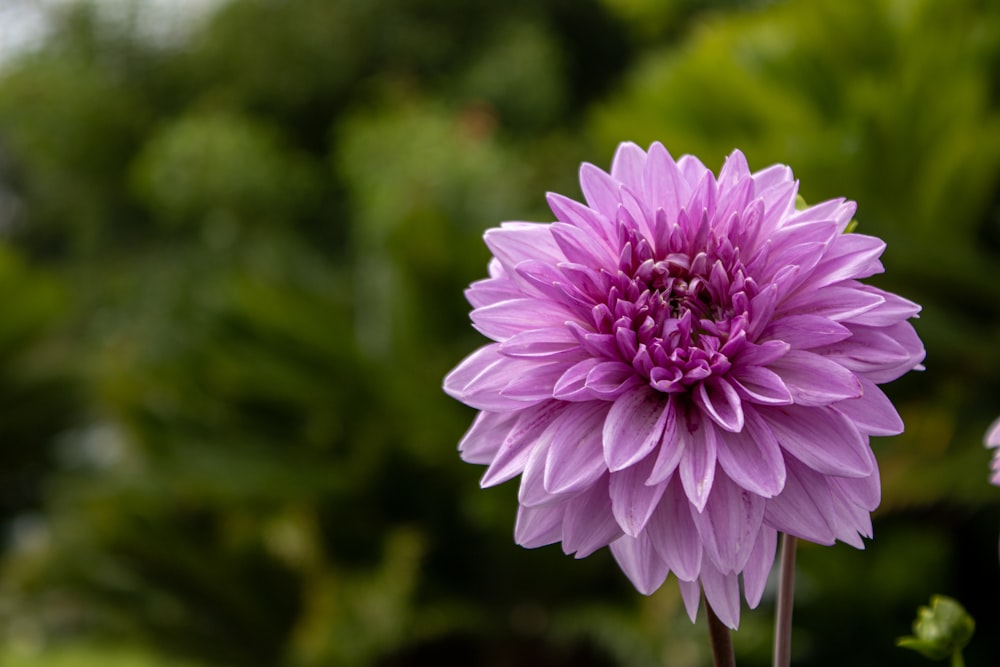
683,367
993,440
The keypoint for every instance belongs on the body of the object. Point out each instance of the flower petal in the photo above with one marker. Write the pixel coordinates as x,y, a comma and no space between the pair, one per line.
729,524
759,565
872,412
760,385
538,526
482,441
513,453
722,592
697,466
633,427
589,524
815,380
632,501
674,534
822,438
719,400
640,563
576,459
752,458
478,379
804,508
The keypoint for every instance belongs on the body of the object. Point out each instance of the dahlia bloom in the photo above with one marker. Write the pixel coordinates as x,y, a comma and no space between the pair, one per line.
683,367
993,440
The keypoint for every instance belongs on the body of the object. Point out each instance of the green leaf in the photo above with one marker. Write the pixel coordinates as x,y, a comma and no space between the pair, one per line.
941,630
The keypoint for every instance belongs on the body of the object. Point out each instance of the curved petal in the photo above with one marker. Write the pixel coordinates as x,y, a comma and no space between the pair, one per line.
815,380
822,438
640,563
697,466
538,526
729,525
719,400
632,501
482,441
752,458
513,453
576,459
674,534
589,524
758,566
633,427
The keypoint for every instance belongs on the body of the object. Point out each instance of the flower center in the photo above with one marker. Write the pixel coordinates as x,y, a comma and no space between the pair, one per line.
671,315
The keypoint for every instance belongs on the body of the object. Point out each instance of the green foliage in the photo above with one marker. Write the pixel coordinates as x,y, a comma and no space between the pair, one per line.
941,630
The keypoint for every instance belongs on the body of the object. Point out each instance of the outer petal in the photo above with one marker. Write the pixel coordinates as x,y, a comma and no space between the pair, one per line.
752,458
576,459
633,427
589,524
822,438
640,563
815,380
729,525
759,565
632,501
697,466
482,441
674,534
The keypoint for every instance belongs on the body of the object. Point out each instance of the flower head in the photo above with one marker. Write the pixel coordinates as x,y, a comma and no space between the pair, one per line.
682,367
993,440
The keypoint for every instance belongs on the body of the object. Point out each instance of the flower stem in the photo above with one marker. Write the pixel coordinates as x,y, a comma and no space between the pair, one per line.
722,642
786,594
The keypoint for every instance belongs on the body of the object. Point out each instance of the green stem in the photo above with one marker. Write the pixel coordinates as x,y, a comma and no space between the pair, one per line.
786,594
957,660
722,641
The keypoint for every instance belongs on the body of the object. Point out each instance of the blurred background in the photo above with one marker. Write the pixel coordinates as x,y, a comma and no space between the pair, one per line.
233,242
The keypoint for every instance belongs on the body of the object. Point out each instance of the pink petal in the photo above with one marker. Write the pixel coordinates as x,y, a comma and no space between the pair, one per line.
628,164
759,566
575,459
822,438
600,190
805,332
581,246
674,534
691,594
805,506
849,256
671,448
722,592
836,302
575,213
663,185
640,563
515,242
513,453
632,501
729,524
895,309
719,400
633,427
549,344
697,466
815,380
536,382
760,385
872,412
482,441
752,458
504,319
478,379
589,523
538,526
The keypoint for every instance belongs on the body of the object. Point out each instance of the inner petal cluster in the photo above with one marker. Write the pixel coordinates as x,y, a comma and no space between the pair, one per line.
674,313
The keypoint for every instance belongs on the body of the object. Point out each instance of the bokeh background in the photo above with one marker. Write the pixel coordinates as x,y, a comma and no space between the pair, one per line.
233,243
